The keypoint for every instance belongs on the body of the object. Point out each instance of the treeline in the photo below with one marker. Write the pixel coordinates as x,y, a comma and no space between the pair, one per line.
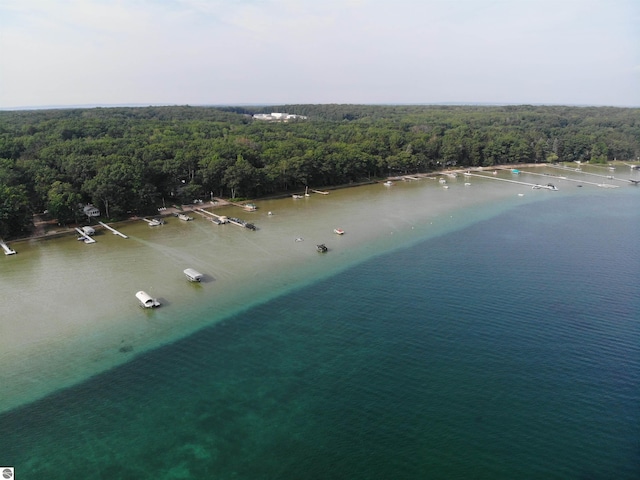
131,160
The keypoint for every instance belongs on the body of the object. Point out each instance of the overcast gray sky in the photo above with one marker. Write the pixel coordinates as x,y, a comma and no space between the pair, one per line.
86,52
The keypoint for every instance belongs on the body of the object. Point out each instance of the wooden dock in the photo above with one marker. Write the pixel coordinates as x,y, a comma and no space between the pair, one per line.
206,214
320,192
86,238
113,230
248,207
7,250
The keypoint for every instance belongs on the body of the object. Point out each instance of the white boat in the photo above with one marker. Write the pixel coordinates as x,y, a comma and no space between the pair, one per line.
338,231
184,217
297,196
250,207
88,230
155,222
193,275
146,300
467,184
442,180
445,186
388,183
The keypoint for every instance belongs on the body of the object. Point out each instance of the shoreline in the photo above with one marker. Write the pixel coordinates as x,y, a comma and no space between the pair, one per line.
219,202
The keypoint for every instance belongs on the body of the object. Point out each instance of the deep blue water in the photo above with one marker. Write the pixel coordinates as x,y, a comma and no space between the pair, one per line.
507,350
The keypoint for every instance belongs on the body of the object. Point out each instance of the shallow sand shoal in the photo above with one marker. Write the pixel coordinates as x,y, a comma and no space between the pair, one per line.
69,309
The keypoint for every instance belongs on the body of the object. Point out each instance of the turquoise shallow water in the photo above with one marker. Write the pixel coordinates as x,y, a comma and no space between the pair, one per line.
508,349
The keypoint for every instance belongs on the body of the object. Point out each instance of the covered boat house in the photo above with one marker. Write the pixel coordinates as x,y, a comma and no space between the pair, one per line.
193,275
146,300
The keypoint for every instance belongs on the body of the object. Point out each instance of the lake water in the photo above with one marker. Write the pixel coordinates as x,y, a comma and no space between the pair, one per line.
459,333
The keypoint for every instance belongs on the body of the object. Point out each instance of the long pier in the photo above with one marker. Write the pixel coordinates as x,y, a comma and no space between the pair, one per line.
602,185
7,250
609,177
207,214
113,230
500,179
85,237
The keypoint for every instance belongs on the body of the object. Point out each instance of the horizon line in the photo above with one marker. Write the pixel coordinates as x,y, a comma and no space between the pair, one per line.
266,104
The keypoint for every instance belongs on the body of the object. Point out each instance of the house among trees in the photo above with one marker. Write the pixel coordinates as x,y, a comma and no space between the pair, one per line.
91,211
278,117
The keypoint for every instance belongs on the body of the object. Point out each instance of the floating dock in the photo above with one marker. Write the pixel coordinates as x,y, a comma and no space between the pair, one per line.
320,192
7,250
113,230
86,238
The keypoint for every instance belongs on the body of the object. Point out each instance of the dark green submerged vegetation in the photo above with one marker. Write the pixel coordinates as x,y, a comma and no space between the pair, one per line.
131,160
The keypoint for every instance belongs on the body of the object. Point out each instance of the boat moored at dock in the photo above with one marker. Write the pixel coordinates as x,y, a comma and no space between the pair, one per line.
84,236
154,222
242,223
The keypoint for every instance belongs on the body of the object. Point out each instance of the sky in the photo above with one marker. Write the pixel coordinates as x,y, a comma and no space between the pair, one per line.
260,52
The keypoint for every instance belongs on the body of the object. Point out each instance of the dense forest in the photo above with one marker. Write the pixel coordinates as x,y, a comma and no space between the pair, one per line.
131,160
